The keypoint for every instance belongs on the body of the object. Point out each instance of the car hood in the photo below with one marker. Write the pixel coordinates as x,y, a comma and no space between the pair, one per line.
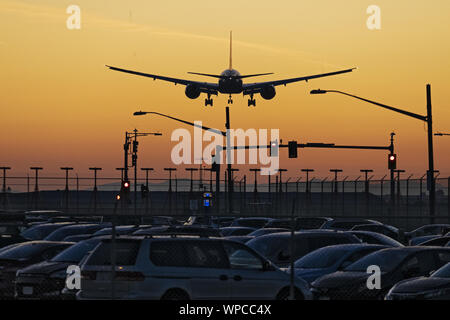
45,267
340,278
422,284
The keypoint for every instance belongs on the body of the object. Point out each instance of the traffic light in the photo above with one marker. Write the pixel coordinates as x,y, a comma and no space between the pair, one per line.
133,160
392,161
125,185
274,148
292,146
135,146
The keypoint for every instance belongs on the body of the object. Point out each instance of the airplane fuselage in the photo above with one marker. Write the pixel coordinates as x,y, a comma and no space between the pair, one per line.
230,82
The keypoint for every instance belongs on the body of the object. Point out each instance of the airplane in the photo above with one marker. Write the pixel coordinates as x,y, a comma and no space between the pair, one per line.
230,82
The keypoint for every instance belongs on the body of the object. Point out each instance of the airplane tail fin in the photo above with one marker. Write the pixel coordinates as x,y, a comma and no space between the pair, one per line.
231,51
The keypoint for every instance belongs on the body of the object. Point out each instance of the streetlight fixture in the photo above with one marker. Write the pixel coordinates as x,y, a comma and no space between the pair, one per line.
428,119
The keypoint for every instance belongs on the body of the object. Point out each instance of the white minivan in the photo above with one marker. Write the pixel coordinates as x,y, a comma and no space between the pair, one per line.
183,268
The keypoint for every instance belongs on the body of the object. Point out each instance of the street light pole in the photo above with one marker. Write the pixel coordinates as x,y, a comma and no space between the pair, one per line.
147,190
36,186
191,170
95,169
4,195
335,178
307,178
66,191
428,119
255,189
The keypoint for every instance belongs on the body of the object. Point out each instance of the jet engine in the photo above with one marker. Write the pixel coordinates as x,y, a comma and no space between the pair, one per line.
268,92
192,91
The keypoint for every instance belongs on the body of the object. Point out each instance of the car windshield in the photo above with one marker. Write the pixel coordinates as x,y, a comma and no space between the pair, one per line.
321,258
60,234
76,252
386,259
20,252
443,272
39,232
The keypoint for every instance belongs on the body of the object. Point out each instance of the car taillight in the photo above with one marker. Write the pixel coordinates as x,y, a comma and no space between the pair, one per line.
88,275
129,276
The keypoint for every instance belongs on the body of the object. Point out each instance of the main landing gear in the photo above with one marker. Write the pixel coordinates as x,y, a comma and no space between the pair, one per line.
208,101
251,101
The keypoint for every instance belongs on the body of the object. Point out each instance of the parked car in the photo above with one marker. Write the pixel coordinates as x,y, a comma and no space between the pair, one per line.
277,246
396,264
375,238
434,287
40,216
159,221
122,230
181,268
387,230
264,231
182,230
254,222
78,237
10,233
307,223
330,259
417,241
236,231
46,279
440,242
39,232
221,222
346,223
242,239
429,229
74,229
22,255
201,221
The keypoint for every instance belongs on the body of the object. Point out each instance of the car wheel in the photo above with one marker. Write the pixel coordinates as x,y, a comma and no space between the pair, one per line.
175,294
284,294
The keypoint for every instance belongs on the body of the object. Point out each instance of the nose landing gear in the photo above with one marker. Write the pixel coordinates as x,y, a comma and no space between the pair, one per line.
208,101
230,100
251,101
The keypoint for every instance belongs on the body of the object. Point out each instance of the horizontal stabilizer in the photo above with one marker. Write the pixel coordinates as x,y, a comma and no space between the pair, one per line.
254,75
207,75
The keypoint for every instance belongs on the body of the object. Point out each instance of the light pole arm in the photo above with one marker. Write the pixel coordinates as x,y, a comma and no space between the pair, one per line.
410,114
183,121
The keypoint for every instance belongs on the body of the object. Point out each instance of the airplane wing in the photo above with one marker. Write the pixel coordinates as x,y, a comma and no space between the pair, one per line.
254,87
204,86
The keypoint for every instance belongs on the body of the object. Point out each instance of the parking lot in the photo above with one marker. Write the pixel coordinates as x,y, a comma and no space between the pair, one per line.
49,255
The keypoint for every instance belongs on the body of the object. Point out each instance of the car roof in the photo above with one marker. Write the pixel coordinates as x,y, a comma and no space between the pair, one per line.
305,233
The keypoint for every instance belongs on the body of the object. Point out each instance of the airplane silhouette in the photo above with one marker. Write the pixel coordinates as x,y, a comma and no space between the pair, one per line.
230,82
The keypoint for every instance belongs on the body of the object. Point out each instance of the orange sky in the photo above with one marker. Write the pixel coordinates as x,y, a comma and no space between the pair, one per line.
61,106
